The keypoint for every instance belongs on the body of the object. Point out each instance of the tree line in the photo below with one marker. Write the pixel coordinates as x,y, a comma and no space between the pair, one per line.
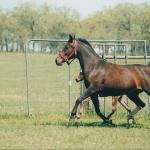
26,21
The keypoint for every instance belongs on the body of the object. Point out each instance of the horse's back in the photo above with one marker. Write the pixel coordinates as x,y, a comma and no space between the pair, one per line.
118,76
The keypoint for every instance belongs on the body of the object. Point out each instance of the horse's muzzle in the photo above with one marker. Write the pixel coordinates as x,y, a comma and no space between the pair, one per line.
58,61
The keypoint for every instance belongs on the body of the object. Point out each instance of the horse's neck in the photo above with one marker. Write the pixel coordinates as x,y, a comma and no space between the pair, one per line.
86,59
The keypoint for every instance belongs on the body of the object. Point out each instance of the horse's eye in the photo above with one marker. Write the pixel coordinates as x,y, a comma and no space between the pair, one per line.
66,47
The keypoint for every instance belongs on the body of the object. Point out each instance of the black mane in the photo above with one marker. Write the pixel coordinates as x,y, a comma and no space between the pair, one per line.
85,41
92,50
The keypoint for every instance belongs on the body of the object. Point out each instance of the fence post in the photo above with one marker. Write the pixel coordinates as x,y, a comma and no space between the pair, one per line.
69,86
145,55
104,50
114,54
126,62
27,78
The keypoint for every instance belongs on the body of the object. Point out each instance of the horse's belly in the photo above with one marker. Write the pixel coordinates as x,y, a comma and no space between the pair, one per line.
112,92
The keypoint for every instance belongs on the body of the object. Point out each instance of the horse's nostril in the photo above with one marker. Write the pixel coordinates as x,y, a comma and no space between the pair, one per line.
57,62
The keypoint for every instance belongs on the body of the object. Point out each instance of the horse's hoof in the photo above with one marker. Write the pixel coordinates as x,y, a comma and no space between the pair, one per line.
78,117
131,120
107,122
73,119
134,122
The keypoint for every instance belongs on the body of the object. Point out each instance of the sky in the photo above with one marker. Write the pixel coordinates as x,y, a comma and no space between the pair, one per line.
84,7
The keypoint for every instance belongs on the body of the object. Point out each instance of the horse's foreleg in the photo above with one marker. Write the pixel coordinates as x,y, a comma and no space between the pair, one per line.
82,107
91,90
114,106
79,110
95,101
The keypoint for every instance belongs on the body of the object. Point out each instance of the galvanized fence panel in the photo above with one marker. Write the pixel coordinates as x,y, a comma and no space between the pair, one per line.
116,51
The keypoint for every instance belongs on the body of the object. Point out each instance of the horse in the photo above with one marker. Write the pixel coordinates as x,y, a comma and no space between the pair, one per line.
103,78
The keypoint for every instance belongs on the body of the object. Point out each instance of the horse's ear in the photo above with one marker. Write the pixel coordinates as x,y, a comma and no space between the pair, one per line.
71,38
74,36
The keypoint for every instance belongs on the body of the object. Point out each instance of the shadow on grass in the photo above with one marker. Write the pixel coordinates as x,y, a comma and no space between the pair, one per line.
97,124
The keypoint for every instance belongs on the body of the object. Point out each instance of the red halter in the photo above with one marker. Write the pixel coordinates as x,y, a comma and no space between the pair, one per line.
74,52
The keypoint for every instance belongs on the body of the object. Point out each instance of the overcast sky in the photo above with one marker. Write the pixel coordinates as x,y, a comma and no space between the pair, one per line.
84,7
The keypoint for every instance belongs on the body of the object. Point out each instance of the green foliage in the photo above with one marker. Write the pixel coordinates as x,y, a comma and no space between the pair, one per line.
125,21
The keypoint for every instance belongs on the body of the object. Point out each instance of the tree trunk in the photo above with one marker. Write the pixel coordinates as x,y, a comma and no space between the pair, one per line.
12,46
21,46
6,43
2,46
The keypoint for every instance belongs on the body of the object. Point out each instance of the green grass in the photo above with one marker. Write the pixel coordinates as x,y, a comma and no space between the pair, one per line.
50,132
47,128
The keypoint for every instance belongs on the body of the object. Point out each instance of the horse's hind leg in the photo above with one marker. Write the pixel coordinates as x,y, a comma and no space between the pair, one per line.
95,101
147,90
139,105
114,105
124,104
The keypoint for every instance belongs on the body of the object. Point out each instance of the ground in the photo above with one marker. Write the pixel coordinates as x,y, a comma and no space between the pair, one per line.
47,127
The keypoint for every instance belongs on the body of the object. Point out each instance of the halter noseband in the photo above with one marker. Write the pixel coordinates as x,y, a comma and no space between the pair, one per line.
74,52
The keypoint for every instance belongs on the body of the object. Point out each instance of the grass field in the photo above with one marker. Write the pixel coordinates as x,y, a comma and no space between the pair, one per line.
46,129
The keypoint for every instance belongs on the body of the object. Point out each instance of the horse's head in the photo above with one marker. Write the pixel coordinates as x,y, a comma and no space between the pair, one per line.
68,53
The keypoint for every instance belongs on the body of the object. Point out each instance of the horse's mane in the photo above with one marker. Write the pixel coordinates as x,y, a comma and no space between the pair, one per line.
85,41
92,50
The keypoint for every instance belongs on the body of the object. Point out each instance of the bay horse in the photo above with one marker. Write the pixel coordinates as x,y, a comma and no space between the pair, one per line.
104,78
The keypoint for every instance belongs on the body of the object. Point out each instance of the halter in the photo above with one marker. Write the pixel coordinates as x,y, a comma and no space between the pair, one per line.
74,52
